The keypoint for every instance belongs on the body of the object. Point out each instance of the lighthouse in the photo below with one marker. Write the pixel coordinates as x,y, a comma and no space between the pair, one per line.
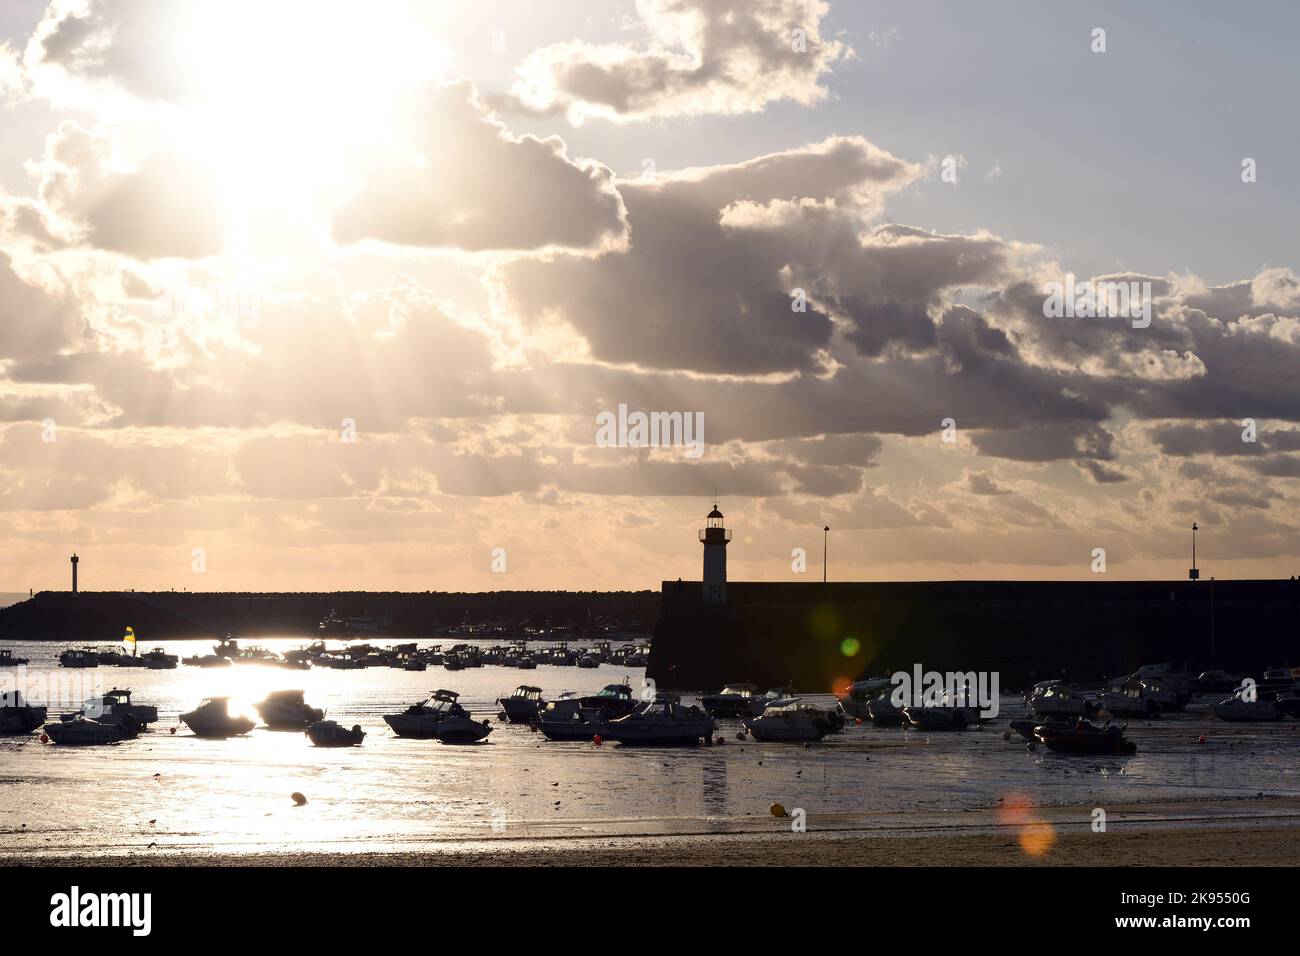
75,559
715,538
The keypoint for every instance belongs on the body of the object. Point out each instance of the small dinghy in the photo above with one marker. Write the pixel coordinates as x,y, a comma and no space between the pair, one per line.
213,718
329,733
1081,737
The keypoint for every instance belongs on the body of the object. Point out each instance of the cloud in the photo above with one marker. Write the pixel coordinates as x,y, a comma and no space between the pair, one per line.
464,182
698,57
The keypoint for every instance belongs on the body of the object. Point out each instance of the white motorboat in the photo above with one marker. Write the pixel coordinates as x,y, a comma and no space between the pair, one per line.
734,700
1054,698
414,664
1128,697
212,718
1217,682
425,720
522,706
662,722
287,710
1177,684
788,719
330,733
526,663
1238,709
7,658
883,711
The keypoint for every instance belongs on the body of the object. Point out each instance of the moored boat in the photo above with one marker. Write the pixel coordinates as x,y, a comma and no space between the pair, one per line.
17,716
735,700
287,710
85,731
788,719
7,658
1054,698
662,722
212,718
1082,737
523,705
1248,704
329,733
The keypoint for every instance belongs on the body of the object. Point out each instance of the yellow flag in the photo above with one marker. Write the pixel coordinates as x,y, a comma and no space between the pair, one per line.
129,636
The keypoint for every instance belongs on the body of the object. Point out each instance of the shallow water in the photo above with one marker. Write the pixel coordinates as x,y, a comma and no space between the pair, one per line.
178,791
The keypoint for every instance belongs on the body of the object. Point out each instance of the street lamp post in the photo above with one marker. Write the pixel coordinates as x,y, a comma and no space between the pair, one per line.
1194,574
826,532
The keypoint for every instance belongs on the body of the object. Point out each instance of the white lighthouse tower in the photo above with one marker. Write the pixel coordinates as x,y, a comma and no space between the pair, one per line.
715,538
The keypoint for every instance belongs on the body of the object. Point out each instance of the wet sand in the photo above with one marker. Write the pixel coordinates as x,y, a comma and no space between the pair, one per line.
1196,834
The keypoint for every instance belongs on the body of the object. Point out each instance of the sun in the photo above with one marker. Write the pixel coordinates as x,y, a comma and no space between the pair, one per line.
288,95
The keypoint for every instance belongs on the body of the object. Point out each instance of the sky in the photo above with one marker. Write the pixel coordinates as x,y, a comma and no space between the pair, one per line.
321,296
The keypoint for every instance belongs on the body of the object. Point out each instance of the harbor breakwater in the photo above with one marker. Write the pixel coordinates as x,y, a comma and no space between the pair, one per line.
817,636
101,616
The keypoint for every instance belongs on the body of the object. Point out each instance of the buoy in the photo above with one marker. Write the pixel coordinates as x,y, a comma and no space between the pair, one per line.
858,721
45,738
778,810
298,799
1201,739
721,740
173,730
598,740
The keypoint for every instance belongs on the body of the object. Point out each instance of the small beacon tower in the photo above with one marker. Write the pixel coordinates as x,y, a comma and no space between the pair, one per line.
75,559
715,538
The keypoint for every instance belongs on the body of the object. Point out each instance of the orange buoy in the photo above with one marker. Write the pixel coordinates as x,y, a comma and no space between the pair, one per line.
45,738
298,799
1201,739
778,810
721,740
173,730
598,740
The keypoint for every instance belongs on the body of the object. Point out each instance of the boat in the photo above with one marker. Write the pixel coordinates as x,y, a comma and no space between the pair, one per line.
158,660
117,703
788,719
452,662
212,718
414,664
422,720
329,733
883,711
1168,680
563,719
299,655
1026,727
1280,678
937,718
1217,682
523,705
74,657
7,658
227,647
856,697
588,661
662,722
1054,698
1082,737
17,716
85,731
526,663
1165,692
614,700
734,700
206,660
1239,709
287,710
1128,697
